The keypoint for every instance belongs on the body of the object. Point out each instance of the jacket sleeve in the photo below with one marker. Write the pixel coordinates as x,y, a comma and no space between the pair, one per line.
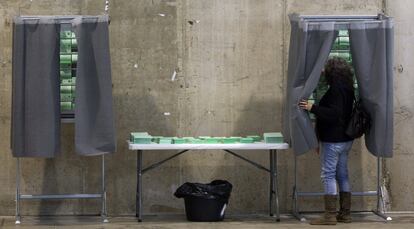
332,111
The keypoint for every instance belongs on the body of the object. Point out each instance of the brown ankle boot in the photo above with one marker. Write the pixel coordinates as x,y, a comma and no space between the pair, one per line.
344,214
329,217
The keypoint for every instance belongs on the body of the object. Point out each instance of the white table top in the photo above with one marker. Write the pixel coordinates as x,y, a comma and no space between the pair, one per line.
237,146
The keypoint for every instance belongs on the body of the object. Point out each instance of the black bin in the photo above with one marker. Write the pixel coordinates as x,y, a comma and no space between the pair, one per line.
205,202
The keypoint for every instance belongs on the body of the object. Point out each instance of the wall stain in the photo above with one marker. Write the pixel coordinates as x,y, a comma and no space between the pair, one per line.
403,113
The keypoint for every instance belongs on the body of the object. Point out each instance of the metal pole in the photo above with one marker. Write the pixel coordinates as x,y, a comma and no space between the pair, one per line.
378,184
20,197
104,213
18,218
295,206
276,184
379,211
271,183
295,194
138,212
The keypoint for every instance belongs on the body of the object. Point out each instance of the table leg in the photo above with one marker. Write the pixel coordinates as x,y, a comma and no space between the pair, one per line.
276,185
271,185
138,212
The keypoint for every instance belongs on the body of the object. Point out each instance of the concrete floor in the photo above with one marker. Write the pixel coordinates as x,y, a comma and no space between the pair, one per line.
361,220
231,61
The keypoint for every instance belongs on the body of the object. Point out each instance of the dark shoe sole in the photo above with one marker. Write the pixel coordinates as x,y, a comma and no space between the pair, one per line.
344,221
325,223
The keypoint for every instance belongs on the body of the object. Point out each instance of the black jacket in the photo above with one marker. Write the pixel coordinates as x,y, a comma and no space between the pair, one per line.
333,113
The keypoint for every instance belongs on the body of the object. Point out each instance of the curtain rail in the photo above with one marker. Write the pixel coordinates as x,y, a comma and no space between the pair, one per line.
342,20
344,17
57,18
295,16
345,23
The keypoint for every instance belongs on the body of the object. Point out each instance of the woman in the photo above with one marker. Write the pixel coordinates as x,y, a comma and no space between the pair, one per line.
332,115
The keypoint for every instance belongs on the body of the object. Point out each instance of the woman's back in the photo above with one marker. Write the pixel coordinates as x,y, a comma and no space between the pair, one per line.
334,112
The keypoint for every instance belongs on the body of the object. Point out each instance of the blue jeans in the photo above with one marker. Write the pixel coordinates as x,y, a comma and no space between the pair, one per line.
334,166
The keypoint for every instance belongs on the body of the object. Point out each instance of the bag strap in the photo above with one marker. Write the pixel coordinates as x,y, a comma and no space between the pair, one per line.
354,104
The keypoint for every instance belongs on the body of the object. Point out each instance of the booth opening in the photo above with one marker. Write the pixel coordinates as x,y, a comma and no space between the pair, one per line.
340,48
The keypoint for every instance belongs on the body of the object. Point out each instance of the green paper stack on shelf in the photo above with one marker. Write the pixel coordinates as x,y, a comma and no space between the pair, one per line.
68,61
340,48
66,106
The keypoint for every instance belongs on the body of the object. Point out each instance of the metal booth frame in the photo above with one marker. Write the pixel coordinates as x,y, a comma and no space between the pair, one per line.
99,196
342,22
380,208
65,118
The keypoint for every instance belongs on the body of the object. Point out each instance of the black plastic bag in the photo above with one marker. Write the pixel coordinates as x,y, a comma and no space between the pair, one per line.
205,202
217,189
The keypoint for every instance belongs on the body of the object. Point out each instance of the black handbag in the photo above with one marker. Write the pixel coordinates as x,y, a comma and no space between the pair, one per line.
360,122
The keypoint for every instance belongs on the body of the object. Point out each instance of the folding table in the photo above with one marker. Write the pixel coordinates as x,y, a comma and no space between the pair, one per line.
182,148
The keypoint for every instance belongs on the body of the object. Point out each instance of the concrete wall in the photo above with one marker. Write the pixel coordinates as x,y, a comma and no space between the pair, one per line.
399,168
231,60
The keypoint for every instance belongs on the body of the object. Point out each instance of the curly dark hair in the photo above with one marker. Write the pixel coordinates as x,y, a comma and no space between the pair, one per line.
338,70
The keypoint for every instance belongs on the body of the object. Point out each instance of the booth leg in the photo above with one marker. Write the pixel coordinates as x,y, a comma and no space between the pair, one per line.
19,196
104,213
295,205
18,217
380,195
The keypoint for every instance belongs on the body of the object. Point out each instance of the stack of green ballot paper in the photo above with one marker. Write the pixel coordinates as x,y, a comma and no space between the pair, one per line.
145,138
140,138
68,61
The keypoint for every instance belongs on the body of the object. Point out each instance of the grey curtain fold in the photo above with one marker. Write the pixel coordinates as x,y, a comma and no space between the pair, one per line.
35,127
309,49
94,118
372,55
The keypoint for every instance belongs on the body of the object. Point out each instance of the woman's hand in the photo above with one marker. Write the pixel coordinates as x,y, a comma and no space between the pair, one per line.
305,104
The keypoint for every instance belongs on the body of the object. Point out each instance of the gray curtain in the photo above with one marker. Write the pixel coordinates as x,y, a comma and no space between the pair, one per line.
94,118
372,55
309,49
35,127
